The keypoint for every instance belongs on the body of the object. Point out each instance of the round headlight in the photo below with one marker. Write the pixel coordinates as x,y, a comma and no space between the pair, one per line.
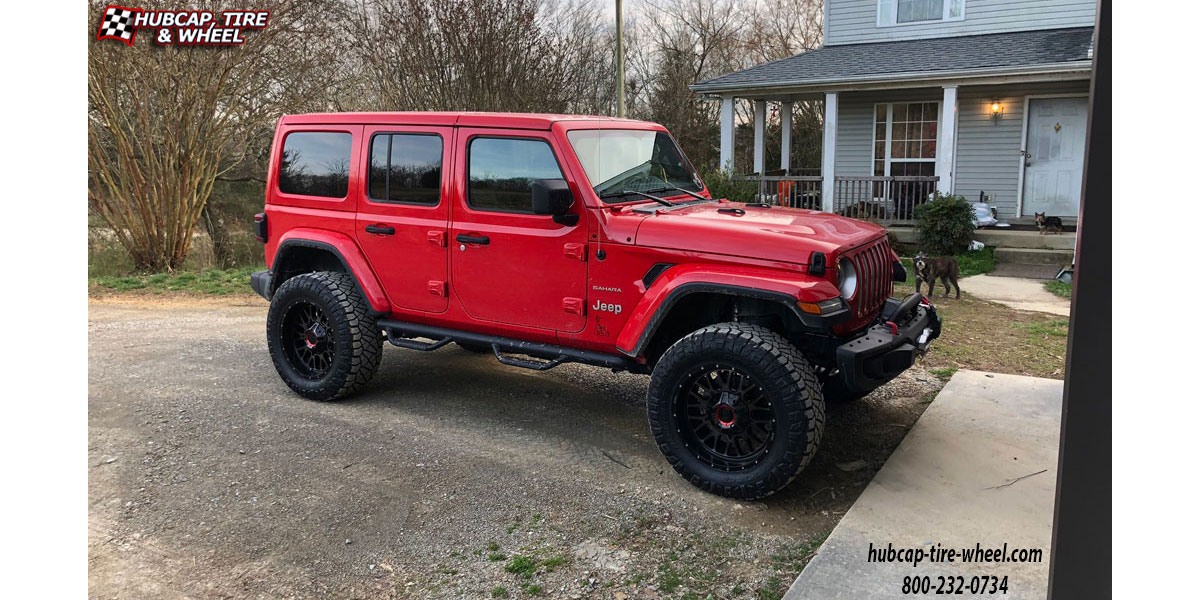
847,278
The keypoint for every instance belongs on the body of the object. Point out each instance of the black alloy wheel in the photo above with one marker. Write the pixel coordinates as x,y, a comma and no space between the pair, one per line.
308,342
726,418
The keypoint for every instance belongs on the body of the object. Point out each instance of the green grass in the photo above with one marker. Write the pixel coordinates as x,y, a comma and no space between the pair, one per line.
522,566
1047,329
499,592
553,562
773,590
211,281
532,589
496,556
944,373
669,579
1058,288
974,263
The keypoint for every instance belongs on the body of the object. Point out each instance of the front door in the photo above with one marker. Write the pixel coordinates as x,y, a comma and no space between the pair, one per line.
509,265
404,212
1054,156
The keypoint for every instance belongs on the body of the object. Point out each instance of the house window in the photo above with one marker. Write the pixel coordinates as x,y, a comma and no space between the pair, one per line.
901,12
905,138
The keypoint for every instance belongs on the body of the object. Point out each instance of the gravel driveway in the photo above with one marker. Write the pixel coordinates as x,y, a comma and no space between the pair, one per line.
450,476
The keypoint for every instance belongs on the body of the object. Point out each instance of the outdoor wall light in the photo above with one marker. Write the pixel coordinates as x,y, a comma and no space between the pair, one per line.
997,110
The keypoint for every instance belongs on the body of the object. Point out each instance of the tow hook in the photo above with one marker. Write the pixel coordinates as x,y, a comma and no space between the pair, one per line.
894,328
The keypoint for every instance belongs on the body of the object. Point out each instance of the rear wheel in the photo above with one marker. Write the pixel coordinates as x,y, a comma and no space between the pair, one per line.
736,409
321,336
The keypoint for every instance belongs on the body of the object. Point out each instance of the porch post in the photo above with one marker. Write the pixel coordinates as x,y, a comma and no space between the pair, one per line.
785,135
828,150
947,134
760,131
727,133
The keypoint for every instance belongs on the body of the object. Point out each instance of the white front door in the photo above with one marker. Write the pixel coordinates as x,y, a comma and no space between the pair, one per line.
1054,156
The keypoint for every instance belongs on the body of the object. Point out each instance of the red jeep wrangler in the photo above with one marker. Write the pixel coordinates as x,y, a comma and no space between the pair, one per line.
545,239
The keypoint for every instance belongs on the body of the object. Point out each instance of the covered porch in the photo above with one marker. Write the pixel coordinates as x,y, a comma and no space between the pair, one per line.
887,192
904,120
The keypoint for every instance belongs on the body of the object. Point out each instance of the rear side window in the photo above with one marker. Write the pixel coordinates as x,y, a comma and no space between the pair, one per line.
502,170
405,168
315,163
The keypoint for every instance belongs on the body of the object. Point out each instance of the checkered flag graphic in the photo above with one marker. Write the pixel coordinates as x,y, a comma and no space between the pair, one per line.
117,24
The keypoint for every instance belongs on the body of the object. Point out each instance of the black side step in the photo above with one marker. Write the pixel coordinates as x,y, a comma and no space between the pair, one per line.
528,364
398,331
418,345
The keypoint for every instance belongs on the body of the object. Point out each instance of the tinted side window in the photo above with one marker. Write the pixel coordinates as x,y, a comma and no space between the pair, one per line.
405,168
315,163
502,170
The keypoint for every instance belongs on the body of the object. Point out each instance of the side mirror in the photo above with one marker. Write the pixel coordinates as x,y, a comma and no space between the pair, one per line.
551,197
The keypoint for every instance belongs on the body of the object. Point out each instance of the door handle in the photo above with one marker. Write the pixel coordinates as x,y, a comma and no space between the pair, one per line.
463,238
381,229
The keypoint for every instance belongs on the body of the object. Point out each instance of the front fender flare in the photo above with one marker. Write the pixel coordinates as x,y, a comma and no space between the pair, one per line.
680,281
346,250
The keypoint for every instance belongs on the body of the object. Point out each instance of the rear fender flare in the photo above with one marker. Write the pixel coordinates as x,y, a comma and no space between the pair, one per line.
343,247
680,281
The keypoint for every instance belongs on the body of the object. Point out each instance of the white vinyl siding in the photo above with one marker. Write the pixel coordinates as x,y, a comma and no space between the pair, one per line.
858,21
989,149
987,157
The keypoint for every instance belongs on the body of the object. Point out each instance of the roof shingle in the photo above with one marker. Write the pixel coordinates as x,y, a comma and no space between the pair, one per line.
949,54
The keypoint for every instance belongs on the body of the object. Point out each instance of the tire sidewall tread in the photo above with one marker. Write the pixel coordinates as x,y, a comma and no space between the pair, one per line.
784,374
359,341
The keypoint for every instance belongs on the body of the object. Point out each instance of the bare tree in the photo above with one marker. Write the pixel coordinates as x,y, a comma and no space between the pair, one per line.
492,55
165,121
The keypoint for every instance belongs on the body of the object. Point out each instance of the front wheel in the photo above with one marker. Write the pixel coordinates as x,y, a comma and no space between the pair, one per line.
321,336
736,409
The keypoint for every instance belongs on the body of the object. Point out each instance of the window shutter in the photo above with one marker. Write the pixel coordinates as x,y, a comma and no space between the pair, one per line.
887,12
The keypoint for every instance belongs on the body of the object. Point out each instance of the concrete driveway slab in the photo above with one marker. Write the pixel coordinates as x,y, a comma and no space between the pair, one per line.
1015,292
977,470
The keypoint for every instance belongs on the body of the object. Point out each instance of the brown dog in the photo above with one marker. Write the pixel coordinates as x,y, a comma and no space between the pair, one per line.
1051,224
929,270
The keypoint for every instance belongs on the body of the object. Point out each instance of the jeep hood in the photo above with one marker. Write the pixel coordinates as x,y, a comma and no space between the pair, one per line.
776,233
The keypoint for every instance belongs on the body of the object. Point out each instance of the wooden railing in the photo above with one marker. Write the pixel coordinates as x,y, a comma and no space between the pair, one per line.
796,191
888,200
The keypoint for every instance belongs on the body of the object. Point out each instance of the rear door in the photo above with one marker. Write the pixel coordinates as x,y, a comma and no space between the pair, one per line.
511,266
403,213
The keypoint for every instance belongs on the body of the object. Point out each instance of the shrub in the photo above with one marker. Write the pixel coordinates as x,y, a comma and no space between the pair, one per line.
722,185
945,225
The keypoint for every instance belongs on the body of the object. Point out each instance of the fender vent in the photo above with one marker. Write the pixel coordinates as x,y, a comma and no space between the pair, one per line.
651,275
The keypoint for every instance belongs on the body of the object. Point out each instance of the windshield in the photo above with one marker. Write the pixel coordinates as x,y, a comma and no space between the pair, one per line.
628,160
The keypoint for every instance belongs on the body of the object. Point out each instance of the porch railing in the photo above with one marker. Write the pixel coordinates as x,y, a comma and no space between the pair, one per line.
796,191
889,200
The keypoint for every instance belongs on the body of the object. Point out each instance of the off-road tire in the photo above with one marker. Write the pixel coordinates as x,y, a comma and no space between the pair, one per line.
476,348
782,373
357,341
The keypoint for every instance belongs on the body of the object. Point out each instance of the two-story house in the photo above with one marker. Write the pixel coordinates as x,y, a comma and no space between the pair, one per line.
971,97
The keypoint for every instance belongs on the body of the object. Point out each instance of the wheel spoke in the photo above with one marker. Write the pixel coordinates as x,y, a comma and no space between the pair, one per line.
725,416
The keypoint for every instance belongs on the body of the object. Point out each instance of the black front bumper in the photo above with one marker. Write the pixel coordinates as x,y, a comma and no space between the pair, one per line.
890,346
260,282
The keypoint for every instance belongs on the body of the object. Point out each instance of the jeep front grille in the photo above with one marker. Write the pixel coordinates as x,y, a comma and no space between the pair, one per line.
873,262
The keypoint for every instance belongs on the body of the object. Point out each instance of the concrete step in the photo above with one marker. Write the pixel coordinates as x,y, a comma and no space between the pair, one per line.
1034,256
1003,238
